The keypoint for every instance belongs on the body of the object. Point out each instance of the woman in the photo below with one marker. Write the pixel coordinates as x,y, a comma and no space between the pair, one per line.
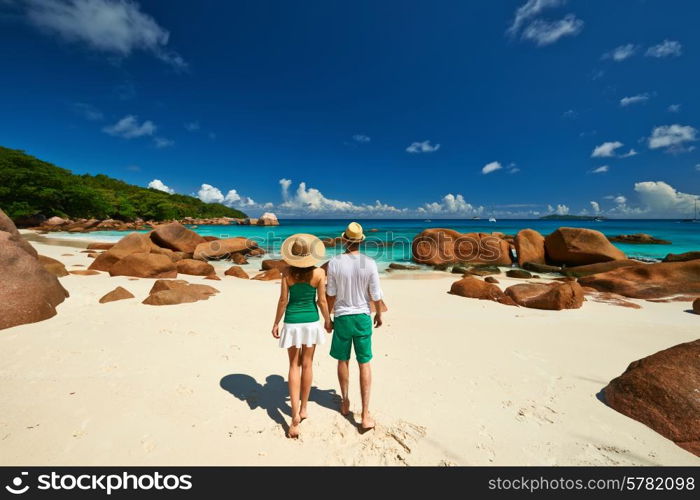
303,288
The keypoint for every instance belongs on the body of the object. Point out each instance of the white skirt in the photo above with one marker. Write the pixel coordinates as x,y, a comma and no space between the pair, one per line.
299,334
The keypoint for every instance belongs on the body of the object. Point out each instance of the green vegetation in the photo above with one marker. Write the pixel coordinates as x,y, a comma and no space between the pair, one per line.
570,217
29,186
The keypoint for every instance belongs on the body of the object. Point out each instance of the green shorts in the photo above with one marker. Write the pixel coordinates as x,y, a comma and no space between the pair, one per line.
352,329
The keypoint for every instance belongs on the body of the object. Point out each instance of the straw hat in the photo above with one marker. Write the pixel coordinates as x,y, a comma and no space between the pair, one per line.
302,250
353,233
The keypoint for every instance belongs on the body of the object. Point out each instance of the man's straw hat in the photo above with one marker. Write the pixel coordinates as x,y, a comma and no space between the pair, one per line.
353,233
302,250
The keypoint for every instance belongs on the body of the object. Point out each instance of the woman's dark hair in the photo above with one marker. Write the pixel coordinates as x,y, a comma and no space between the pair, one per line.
301,274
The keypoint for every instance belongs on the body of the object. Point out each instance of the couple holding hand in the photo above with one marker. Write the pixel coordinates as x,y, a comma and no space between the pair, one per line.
347,288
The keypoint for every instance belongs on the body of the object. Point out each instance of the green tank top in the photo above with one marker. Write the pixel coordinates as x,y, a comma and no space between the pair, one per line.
301,307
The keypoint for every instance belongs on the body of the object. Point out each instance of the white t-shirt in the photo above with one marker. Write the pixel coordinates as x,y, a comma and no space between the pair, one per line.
353,280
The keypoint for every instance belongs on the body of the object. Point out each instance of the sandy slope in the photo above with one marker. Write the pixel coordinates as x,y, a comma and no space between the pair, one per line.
457,381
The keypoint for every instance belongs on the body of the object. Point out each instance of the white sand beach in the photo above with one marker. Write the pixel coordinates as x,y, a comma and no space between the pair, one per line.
456,381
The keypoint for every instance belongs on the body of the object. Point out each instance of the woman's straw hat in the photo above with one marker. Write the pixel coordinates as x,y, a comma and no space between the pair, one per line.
302,250
353,233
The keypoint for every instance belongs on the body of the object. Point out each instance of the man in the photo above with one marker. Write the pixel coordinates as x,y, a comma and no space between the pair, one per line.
353,281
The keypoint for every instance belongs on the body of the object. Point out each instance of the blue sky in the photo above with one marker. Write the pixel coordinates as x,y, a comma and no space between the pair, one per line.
446,108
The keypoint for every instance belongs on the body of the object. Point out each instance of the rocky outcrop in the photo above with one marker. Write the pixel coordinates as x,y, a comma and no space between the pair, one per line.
529,247
118,293
268,219
648,281
518,273
85,272
55,221
403,267
541,268
608,298
552,296
279,264
129,244
100,246
7,226
272,274
682,257
223,249
438,247
239,259
236,272
194,267
576,246
491,279
638,239
144,265
696,306
601,267
661,391
176,237
53,266
475,288
172,292
28,292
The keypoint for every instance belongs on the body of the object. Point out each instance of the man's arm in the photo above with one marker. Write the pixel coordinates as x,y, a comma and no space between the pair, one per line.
375,293
331,289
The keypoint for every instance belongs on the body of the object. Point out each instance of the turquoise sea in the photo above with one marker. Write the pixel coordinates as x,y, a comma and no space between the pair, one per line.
685,237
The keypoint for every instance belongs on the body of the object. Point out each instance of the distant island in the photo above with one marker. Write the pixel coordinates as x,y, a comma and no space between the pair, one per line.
29,186
571,217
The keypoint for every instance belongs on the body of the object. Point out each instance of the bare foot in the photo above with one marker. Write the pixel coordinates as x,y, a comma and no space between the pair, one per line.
344,407
294,428
368,423
303,414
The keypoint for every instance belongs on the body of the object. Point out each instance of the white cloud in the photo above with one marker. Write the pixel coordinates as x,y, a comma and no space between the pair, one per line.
311,200
667,48
620,200
88,111
116,27
543,32
662,199
606,150
672,138
158,184
422,147
630,153
529,10
674,108
361,138
162,142
285,184
192,126
626,101
491,167
452,204
600,170
211,194
570,114
621,53
130,128
558,210
697,167
595,206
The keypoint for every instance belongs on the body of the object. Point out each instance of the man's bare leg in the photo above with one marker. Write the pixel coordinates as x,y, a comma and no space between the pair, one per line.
365,388
344,380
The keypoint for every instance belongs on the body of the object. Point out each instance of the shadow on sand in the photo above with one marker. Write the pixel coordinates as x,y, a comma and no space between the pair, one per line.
273,395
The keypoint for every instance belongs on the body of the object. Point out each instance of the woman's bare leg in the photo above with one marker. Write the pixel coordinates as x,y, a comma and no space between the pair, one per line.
294,388
307,377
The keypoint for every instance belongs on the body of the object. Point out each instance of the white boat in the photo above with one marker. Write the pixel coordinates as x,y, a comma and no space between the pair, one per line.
491,219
